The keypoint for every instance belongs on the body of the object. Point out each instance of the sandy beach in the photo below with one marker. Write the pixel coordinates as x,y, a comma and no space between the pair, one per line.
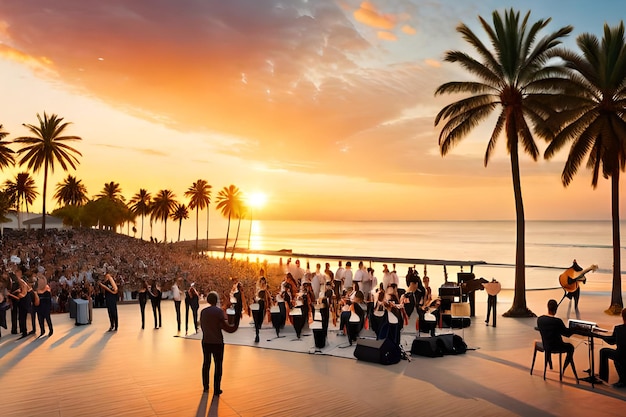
84,370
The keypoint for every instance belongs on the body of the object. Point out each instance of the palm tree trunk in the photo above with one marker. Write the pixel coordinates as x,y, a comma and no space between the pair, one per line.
45,185
180,225
165,224
616,292
207,227
197,227
236,238
19,209
227,232
519,309
142,218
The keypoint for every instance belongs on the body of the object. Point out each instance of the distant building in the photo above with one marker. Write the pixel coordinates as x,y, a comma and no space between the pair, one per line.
33,221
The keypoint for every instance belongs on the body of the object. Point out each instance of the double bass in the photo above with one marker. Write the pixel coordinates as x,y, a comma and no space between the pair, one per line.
573,275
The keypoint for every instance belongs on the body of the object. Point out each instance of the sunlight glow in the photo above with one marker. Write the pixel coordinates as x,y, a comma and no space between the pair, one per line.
257,199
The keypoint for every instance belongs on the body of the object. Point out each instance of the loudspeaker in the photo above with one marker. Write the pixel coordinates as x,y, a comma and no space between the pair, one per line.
382,351
426,346
451,344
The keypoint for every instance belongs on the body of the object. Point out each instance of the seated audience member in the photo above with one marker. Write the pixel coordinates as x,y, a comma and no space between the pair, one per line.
618,355
551,329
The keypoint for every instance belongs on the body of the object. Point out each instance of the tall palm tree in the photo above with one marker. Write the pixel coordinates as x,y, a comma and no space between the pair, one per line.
514,78
6,153
592,118
180,213
199,195
46,147
228,201
71,192
162,206
22,190
240,213
140,205
113,191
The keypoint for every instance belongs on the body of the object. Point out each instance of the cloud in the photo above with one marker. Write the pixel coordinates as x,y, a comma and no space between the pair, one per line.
280,80
409,30
369,15
387,36
432,63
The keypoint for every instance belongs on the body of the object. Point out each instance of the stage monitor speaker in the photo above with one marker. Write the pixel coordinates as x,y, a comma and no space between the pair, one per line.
382,351
426,346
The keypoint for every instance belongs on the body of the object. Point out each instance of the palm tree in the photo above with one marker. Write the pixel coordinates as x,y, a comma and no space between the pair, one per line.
45,147
514,78
199,195
71,192
592,118
113,191
240,213
228,201
140,205
22,190
180,213
6,153
162,206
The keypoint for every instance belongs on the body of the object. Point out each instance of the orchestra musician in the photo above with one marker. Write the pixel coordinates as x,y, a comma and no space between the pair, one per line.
570,281
492,288
618,355
551,329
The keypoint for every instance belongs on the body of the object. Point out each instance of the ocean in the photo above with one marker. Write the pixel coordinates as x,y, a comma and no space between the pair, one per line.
551,246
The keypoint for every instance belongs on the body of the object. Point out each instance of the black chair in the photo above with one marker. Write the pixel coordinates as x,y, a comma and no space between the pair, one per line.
548,351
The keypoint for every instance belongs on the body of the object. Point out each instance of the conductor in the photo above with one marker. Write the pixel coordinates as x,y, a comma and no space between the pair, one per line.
212,321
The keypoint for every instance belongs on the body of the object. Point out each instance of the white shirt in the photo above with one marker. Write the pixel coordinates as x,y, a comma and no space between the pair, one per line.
340,274
175,292
347,278
359,274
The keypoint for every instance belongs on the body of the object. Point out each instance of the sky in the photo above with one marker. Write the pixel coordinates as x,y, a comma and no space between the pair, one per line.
325,106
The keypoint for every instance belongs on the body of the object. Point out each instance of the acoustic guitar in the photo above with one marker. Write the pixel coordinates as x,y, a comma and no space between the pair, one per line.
570,279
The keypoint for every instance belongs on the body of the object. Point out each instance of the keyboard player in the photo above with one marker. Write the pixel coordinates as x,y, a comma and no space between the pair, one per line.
552,329
618,355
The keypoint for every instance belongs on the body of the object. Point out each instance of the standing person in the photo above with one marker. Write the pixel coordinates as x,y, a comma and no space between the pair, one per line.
240,302
176,297
347,277
329,274
387,277
359,276
618,355
45,306
142,295
213,321
110,296
192,301
13,289
551,329
154,292
338,280
492,288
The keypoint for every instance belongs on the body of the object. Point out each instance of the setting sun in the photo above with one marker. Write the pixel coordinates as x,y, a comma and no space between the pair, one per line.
257,199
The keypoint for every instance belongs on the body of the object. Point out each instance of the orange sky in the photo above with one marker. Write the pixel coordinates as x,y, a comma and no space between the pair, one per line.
326,106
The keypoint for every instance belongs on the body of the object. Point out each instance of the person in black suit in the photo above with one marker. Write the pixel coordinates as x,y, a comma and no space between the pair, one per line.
618,355
212,321
551,329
